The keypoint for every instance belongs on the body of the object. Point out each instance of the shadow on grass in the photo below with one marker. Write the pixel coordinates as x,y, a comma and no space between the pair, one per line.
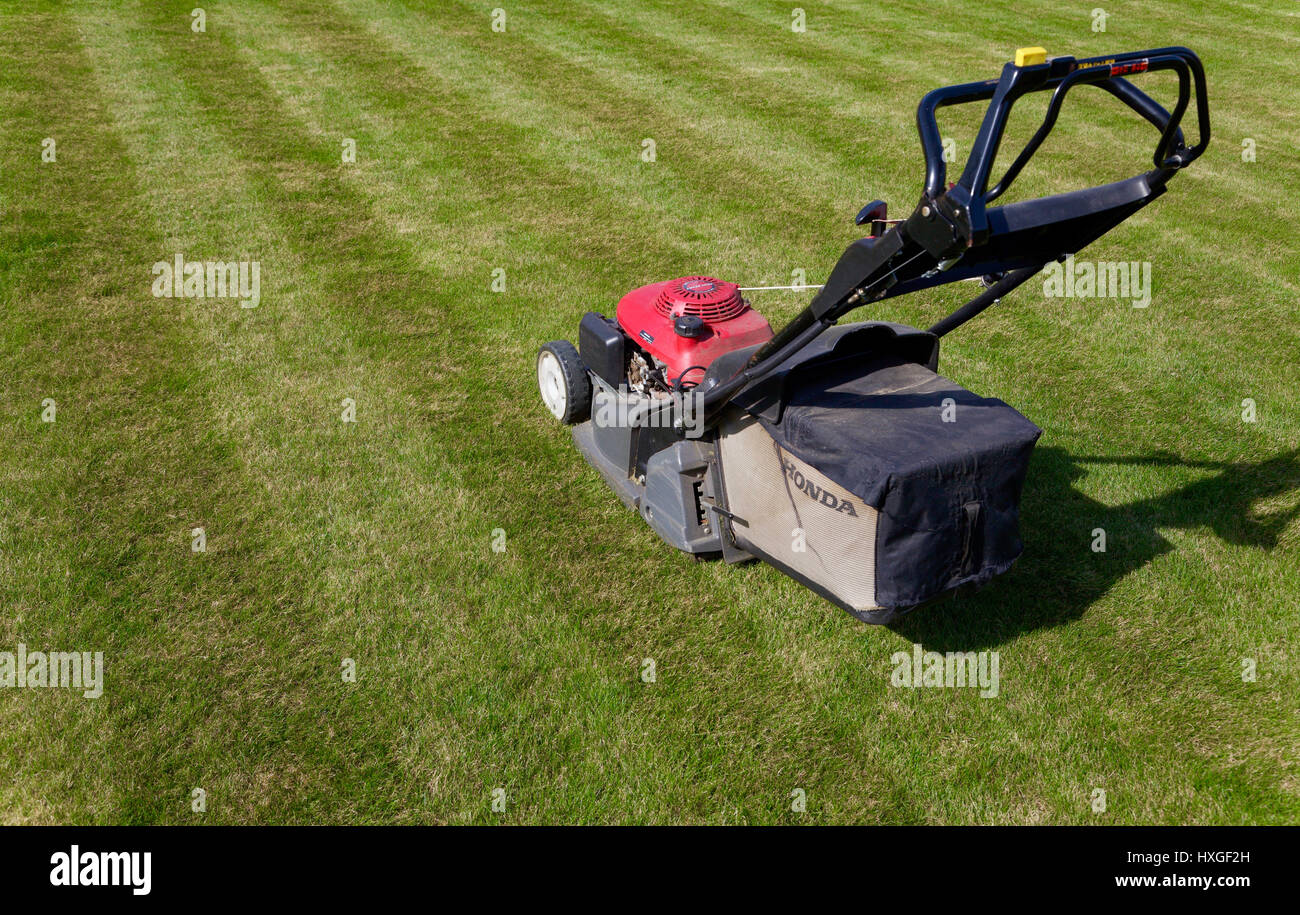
1059,576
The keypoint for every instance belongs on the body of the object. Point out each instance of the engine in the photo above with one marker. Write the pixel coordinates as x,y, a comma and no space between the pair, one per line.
673,330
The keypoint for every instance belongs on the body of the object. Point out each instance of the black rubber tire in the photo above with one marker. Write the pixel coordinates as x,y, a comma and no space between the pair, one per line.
576,381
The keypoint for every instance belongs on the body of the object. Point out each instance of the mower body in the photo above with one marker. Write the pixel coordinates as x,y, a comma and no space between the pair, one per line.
836,452
856,469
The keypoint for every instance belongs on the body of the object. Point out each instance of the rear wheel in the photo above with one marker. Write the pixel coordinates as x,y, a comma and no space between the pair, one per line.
563,382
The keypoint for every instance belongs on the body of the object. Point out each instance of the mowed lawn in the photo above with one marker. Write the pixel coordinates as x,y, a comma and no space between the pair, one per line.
1162,672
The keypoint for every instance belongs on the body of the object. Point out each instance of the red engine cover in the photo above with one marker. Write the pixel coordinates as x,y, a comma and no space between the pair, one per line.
647,314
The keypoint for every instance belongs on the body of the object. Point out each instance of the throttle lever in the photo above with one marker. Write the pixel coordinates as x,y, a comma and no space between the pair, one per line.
875,212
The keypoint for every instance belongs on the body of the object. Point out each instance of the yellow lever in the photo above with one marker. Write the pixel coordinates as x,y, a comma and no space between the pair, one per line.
1027,57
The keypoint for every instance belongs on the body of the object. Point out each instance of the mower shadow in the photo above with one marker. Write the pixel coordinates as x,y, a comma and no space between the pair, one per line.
1059,576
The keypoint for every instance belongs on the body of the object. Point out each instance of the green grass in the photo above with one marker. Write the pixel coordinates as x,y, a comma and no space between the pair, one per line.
478,670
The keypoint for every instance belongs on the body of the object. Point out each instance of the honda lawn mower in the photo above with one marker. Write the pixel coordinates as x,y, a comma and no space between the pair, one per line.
835,452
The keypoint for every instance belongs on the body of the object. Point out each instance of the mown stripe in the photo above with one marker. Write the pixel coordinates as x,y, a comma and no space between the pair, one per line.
702,153
132,463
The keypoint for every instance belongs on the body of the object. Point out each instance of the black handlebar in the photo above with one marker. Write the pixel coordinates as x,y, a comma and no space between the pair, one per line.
1061,74
950,236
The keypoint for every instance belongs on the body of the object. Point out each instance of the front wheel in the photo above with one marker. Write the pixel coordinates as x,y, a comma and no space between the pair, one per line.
563,382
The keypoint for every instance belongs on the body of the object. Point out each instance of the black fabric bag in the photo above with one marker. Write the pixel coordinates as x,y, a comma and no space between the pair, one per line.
942,466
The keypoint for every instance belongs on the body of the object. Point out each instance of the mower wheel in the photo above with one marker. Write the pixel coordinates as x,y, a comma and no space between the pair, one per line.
563,382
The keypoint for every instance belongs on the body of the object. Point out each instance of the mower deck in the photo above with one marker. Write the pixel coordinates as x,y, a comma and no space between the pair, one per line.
628,490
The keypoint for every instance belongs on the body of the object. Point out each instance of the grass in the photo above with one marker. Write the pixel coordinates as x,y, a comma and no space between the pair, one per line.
520,670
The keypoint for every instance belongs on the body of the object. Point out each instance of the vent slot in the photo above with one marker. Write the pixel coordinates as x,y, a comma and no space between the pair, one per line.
703,296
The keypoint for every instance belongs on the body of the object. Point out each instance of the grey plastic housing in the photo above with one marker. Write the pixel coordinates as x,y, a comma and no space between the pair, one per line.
677,490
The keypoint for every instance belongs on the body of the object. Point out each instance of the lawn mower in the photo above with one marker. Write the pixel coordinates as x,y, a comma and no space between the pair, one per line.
836,453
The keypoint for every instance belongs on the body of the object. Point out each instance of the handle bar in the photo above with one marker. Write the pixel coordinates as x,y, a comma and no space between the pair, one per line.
949,235
1061,74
